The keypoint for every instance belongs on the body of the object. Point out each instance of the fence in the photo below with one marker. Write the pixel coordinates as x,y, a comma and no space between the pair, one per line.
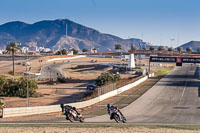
24,111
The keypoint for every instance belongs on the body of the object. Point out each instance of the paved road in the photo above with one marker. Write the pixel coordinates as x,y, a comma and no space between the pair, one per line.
173,100
54,70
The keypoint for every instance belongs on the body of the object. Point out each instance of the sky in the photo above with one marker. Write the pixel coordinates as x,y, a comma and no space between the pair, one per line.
160,22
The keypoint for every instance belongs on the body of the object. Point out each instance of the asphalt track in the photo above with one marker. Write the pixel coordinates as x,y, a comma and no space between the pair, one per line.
175,99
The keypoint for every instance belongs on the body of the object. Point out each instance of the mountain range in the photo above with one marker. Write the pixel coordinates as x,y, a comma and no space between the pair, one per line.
194,44
52,34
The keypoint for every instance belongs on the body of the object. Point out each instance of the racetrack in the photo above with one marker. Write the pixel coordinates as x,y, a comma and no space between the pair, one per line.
173,100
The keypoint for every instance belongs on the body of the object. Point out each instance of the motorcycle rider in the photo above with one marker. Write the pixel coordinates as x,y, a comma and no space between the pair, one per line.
69,107
111,109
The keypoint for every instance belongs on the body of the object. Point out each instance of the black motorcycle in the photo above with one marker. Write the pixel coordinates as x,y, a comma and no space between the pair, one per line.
72,114
117,115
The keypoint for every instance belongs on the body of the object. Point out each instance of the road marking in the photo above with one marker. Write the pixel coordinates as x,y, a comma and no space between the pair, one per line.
183,91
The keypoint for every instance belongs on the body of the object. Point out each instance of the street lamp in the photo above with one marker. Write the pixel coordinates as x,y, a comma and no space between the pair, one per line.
27,89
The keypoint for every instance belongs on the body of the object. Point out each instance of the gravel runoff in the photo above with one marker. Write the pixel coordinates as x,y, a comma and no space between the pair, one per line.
91,130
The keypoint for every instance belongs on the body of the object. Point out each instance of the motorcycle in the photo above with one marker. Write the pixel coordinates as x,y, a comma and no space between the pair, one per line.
72,115
117,115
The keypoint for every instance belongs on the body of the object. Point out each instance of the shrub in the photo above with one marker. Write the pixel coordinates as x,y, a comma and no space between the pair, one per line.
2,104
61,79
18,87
107,77
3,84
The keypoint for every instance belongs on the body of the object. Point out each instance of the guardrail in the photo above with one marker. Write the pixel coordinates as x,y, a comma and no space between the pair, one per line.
24,111
68,58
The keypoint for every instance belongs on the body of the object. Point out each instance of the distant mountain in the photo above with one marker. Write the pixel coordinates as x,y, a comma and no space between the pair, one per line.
51,34
194,44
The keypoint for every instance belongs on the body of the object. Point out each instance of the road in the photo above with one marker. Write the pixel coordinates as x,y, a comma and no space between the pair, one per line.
173,100
55,69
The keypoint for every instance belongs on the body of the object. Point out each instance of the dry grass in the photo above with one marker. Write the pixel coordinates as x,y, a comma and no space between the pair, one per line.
91,130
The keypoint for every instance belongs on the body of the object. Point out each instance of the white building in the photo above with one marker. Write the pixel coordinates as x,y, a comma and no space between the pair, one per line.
94,50
24,50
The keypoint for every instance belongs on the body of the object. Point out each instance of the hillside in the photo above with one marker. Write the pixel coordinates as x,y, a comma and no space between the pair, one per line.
52,34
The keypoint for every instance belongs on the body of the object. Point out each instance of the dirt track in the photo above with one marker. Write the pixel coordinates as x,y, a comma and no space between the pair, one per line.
92,130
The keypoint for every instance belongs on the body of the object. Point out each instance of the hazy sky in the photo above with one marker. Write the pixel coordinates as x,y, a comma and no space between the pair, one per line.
160,22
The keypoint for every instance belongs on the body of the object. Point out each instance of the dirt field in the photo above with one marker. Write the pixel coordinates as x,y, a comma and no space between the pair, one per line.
92,130
80,75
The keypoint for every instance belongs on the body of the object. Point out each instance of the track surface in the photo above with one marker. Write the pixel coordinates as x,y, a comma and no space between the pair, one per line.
173,100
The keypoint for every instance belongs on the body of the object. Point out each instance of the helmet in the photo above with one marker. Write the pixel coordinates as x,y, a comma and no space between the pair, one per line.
61,105
108,105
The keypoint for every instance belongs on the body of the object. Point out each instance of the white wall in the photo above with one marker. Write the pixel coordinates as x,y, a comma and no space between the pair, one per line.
24,111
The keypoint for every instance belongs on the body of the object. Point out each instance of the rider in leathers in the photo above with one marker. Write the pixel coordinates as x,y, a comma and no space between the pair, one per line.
110,109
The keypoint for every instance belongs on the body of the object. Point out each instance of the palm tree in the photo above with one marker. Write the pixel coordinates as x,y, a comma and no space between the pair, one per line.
13,47
145,48
161,48
189,49
133,49
179,49
170,49
151,48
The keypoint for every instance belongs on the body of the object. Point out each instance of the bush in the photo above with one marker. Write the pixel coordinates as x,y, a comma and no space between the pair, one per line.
18,87
61,79
107,77
2,104
3,84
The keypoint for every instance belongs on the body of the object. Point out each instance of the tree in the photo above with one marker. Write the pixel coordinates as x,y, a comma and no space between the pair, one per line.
58,53
189,49
145,48
2,104
118,47
63,51
170,49
179,49
3,84
75,52
198,50
161,48
107,77
133,49
13,47
151,48
84,50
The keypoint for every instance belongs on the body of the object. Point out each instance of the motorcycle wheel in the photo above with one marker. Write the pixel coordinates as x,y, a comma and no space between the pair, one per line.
71,117
81,119
117,118
124,120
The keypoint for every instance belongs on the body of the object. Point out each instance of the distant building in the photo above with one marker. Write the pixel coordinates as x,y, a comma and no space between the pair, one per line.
33,49
94,50
3,52
24,50
71,52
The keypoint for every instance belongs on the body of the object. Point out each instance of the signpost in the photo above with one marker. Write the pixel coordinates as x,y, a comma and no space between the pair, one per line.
177,60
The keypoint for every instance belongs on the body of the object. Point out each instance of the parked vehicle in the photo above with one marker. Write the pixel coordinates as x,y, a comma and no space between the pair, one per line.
91,87
116,114
71,113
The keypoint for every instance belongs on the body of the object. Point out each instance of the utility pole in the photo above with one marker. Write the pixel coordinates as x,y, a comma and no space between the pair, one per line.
27,89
